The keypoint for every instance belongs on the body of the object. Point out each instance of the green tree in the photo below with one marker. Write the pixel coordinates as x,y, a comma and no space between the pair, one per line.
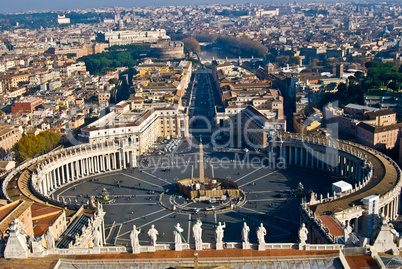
294,60
282,60
114,81
242,46
117,56
31,146
191,44
314,62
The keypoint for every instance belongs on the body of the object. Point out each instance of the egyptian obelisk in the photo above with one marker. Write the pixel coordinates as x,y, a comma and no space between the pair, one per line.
201,161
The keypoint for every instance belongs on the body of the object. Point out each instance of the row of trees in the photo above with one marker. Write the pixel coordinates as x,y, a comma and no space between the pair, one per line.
32,146
384,74
243,46
48,19
31,21
117,56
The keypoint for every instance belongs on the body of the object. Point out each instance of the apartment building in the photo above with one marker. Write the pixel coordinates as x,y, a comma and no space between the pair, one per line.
69,69
163,83
142,126
11,81
378,137
26,105
9,135
132,37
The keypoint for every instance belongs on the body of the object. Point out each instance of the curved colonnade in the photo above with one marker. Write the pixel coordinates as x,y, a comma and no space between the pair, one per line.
371,171
59,168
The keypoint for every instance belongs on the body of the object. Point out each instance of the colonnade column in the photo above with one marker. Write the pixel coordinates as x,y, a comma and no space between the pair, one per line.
98,169
123,159
101,160
63,177
114,160
107,159
45,184
49,182
40,187
90,165
86,167
80,167
57,175
73,171
54,179
68,172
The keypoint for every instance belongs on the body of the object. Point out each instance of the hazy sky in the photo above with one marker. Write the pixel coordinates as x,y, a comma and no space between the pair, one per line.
26,5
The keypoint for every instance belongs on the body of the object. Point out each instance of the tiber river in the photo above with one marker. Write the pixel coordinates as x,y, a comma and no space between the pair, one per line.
208,55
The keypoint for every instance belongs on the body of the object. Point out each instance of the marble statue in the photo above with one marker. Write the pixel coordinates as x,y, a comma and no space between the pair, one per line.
178,237
346,233
135,242
303,232
245,232
219,232
14,225
49,237
219,235
153,233
96,237
261,233
197,233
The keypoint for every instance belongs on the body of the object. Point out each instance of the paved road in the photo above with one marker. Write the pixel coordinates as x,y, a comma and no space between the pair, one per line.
136,198
135,205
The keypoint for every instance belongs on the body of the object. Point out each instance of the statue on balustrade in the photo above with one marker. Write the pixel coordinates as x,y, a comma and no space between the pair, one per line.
245,232
49,238
135,242
303,232
261,233
153,233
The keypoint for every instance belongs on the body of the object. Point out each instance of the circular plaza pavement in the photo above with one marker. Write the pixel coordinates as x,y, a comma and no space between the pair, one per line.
137,197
